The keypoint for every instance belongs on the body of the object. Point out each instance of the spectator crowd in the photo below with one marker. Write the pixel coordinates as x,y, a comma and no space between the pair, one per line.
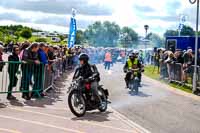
176,65
31,61
34,61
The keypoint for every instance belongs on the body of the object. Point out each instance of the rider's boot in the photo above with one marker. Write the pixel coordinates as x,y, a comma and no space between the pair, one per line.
126,84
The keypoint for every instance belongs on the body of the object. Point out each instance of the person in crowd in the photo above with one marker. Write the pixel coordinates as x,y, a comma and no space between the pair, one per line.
1,58
188,58
141,56
64,59
108,60
169,61
123,56
30,56
13,68
70,58
24,46
10,46
51,55
179,56
39,71
157,58
178,59
41,54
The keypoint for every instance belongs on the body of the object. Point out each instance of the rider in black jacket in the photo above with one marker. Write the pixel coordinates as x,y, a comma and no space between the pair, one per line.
89,74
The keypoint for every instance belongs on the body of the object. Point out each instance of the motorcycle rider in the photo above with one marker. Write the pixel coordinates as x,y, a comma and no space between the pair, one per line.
132,63
89,73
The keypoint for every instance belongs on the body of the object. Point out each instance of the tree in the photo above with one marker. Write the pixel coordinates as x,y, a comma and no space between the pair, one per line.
9,39
79,37
1,36
41,40
26,33
171,33
61,37
103,34
156,40
187,31
17,34
129,36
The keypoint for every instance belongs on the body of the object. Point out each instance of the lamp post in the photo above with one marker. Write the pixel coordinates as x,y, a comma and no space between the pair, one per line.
146,27
196,45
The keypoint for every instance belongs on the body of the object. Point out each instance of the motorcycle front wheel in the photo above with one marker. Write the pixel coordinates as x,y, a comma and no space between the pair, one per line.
76,103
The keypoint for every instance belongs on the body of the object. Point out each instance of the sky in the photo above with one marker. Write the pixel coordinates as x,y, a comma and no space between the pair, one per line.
54,15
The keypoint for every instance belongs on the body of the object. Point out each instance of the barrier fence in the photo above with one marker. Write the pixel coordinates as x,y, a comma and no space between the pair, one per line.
175,72
21,77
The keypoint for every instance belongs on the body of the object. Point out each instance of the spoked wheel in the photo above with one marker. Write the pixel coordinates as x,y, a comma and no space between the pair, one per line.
103,107
76,103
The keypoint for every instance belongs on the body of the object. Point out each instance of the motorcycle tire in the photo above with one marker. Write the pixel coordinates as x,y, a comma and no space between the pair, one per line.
74,92
104,100
136,86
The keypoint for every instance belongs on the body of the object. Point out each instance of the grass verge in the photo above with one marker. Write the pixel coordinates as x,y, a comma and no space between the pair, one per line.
152,72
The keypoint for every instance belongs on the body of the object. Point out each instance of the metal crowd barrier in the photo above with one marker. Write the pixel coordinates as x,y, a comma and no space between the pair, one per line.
175,73
52,73
171,71
163,70
21,77
16,77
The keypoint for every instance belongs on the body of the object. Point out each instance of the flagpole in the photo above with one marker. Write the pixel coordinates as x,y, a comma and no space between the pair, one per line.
196,46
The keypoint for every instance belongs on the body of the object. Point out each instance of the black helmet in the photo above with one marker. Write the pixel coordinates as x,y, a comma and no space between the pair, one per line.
84,57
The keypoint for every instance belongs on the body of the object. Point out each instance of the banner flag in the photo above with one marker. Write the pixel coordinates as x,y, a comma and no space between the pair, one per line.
72,32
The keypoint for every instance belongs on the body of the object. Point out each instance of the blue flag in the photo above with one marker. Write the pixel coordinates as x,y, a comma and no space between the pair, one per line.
72,33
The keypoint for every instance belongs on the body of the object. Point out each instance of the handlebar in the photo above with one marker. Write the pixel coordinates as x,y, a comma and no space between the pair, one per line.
134,70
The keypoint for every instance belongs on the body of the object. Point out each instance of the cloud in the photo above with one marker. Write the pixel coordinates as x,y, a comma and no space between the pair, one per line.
142,8
55,14
58,6
173,6
44,18
44,27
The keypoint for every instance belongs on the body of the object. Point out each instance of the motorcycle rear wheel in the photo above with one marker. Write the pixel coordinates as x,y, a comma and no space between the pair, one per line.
104,106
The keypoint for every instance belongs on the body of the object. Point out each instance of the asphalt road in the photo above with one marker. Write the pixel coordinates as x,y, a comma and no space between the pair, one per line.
51,114
158,109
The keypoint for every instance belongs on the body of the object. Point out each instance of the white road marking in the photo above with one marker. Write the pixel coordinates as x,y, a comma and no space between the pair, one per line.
41,124
9,130
67,118
134,125
63,109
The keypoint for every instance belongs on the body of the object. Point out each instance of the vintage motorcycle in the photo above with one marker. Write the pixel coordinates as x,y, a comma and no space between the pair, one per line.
82,99
133,83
